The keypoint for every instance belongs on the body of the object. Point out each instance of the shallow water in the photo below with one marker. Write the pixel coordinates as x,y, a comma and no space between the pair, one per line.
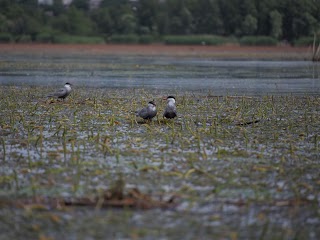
220,77
231,181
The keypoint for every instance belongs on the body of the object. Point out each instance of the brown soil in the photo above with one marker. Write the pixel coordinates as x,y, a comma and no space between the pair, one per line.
224,52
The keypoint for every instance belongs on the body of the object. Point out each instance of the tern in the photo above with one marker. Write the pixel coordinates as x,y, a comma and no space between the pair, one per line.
63,92
170,110
148,112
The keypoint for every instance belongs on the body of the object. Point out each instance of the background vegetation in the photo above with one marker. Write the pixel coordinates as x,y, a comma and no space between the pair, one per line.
252,22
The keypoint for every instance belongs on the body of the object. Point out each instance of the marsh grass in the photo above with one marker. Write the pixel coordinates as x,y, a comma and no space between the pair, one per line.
214,155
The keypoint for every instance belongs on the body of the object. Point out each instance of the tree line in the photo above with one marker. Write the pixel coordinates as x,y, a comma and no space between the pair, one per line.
285,20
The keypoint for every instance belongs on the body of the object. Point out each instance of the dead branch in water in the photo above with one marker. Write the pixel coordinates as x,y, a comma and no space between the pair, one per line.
315,49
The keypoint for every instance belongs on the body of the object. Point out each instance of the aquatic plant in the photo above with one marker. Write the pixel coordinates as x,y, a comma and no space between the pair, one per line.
222,158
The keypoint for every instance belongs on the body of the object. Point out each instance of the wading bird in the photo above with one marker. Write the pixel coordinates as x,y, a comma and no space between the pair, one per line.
148,112
170,110
63,92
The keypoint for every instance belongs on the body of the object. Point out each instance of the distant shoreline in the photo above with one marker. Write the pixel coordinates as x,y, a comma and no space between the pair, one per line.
217,52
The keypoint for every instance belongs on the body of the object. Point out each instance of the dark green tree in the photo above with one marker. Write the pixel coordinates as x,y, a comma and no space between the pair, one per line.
180,17
206,17
27,4
4,23
231,16
81,4
57,7
113,3
104,21
284,20
74,22
147,13
249,25
264,8
276,24
295,21
5,6
162,19
127,23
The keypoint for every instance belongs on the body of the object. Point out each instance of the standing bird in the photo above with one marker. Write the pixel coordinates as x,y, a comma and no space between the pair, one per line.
148,112
63,92
170,110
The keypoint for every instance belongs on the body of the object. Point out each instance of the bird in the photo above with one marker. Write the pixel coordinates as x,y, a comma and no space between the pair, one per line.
63,92
170,110
148,112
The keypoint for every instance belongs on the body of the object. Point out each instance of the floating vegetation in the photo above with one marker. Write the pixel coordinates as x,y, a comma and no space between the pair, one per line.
230,159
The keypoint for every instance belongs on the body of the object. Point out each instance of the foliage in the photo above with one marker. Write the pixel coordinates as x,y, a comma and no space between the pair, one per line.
258,41
276,24
304,41
74,22
196,40
128,38
283,20
145,39
24,39
5,37
78,39
249,25
44,37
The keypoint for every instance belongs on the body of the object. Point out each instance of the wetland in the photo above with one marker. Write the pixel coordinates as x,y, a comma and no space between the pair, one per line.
241,160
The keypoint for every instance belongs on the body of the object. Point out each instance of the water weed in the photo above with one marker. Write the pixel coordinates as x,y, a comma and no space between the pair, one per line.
225,158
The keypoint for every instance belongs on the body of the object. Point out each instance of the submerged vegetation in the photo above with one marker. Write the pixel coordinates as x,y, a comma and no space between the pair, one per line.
238,167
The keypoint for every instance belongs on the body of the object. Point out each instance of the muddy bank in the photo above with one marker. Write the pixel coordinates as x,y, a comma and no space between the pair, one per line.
220,52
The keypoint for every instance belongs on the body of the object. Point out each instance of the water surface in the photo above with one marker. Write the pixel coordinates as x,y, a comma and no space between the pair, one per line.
231,179
166,73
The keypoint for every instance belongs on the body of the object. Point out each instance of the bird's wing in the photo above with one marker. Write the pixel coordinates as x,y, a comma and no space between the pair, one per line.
60,93
143,113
